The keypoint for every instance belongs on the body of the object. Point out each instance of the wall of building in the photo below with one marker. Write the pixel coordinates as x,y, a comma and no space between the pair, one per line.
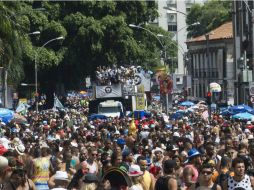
168,18
220,68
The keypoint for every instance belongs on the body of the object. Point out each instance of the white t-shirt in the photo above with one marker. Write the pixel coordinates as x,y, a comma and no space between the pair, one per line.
136,187
59,188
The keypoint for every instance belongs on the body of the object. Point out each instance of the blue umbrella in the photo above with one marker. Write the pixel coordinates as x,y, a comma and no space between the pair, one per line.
96,116
226,113
187,103
176,116
240,109
6,115
243,116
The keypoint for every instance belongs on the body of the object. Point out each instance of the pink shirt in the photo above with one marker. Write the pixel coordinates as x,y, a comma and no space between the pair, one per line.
194,172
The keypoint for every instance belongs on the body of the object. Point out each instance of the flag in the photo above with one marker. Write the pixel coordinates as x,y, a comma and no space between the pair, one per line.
21,108
57,103
132,128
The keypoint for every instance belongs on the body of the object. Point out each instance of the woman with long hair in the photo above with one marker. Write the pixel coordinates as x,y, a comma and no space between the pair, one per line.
19,181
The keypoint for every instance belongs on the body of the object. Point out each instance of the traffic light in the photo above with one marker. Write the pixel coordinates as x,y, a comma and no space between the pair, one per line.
209,98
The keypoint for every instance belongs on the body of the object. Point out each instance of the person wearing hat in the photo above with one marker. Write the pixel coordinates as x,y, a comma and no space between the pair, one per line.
121,143
168,180
59,181
158,157
136,174
172,150
144,133
90,181
193,163
127,158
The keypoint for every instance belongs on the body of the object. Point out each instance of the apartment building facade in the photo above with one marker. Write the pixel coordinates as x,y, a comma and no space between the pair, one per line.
172,18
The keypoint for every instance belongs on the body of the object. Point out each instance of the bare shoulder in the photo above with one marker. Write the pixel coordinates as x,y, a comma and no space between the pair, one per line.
172,184
251,179
218,187
32,185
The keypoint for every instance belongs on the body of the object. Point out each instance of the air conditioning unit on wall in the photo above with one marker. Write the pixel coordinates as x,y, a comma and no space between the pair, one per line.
171,17
179,80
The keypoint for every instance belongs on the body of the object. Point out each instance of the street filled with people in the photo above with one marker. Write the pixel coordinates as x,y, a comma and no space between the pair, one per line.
66,149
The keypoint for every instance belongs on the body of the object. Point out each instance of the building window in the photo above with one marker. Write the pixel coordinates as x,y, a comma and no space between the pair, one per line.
171,2
172,22
172,27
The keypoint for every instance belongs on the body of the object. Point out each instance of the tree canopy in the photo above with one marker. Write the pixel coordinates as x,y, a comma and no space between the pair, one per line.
211,14
95,33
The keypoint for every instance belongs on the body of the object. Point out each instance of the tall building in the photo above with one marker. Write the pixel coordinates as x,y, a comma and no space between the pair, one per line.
172,17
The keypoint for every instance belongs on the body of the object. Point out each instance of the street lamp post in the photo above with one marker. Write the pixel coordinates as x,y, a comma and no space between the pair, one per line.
208,71
5,75
34,33
36,69
165,55
142,28
193,24
167,8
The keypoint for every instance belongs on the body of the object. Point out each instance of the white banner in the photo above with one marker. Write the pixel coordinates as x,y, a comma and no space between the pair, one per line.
112,91
143,79
251,88
129,90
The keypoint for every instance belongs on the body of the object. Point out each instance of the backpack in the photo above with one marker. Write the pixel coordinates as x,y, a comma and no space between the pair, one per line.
221,178
162,183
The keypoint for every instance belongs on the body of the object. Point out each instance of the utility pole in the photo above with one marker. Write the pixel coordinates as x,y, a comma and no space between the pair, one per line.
208,72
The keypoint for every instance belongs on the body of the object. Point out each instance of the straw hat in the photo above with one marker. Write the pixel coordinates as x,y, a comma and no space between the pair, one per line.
20,149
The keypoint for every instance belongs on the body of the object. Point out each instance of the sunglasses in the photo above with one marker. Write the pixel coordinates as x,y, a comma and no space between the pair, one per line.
207,172
94,154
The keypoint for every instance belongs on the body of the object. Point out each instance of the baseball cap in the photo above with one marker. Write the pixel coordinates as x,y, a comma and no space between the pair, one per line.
193,152
120,141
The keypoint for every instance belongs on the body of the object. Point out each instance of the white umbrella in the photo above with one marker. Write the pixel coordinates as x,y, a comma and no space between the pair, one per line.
215,87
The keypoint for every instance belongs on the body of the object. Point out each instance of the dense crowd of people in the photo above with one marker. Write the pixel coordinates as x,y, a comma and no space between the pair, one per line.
115,75
63,149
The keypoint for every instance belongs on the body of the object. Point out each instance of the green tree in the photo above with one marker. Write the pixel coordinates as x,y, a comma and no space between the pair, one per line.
210,15
10,42
96,33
